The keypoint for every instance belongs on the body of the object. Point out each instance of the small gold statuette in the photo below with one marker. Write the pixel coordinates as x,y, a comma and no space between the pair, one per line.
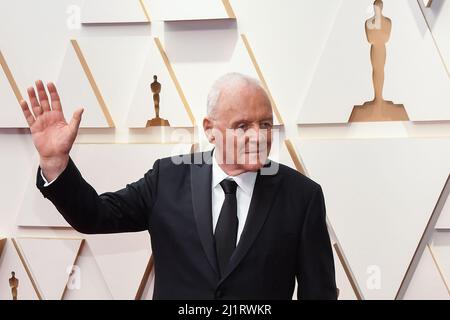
13,284
157,121
378,31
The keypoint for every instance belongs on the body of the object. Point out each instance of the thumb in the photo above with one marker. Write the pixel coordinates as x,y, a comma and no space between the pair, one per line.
76,119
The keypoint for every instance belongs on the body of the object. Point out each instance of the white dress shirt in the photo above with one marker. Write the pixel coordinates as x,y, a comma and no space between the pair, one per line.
246,183
45,180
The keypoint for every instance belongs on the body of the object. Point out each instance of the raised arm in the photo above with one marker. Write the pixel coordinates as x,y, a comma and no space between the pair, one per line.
125,210
52,136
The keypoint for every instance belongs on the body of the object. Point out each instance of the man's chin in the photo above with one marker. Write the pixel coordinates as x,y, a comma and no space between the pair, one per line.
252,167
253,162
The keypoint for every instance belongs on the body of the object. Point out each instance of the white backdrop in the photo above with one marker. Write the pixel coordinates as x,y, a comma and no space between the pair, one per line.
386,183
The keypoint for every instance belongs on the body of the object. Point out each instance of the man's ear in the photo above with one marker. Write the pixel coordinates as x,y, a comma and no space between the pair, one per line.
208,128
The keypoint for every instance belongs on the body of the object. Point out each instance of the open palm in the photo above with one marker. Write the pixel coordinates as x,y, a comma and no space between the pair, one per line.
52,136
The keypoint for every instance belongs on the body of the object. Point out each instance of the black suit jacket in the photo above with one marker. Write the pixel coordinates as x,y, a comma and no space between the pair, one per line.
285,236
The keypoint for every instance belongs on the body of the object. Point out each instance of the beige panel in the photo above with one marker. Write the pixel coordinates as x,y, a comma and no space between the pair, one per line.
173,10
123,260
427,236
87,281
50,274
173,105
440,250
148,291
427,282
11,261
112,11
9,96
374,188
77,88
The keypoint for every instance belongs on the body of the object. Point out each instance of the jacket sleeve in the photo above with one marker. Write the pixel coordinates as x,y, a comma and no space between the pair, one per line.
315,273
126,210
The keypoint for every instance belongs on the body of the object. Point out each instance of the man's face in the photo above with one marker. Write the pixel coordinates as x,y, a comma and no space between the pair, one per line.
241,128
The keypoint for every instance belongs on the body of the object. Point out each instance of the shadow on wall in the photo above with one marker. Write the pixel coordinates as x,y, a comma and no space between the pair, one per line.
200,41
432,13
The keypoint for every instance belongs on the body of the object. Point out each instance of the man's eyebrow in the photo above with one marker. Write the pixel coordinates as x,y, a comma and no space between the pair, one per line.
268,119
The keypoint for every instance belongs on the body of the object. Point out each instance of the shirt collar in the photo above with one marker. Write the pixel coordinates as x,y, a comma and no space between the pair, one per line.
245,181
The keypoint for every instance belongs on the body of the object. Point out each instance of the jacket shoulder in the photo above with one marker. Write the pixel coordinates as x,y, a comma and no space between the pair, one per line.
294,177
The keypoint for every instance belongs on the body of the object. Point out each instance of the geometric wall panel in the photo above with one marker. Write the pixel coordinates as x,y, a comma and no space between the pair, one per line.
411,51
171,10
117,62
201,52
443,221
283,151
122,260
441,253
130,162
50,272
77,88
297,33
438,18
10,261
112,11
148,290
173,106
10,115
333,90
346,290
430,236
2,244
426,282
45,28
374,188
91,285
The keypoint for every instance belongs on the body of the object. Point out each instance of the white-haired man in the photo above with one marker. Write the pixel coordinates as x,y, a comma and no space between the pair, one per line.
221,227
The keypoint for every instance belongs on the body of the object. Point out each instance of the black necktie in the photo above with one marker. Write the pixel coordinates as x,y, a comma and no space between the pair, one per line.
226,229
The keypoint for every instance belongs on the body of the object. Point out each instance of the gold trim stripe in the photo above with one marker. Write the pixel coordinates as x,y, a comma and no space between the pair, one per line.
434,39
144,8
10,78
24,264
347,271
261,77
144,280
74,263
174,79
441,273
92,82
2,245
423,242
229,9
294,156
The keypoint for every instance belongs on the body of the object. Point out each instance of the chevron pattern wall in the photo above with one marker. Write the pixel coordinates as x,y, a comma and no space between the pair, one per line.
386,183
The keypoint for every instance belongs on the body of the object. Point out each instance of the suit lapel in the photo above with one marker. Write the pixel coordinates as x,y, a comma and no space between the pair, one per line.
201,175
263,195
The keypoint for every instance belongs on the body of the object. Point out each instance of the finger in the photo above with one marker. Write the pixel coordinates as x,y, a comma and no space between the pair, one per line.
76,119
37,110
27,113
42,94
54,96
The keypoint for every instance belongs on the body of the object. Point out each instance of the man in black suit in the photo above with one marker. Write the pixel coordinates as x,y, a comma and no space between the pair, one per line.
224,224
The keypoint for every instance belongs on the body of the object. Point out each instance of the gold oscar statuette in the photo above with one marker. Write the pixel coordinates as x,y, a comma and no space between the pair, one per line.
13,284
378,31
156,90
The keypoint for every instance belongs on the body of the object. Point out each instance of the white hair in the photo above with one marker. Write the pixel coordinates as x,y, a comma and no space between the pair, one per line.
227,81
